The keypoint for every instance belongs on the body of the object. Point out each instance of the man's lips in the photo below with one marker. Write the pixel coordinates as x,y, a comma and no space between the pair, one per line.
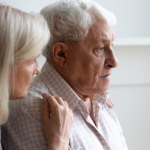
105,76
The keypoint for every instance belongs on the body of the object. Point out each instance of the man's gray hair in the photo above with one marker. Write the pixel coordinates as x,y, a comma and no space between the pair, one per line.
70,20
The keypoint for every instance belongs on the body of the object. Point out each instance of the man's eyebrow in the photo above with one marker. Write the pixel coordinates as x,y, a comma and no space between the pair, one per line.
103,40
107,40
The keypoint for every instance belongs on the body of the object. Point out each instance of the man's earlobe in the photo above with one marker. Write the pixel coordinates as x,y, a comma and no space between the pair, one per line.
59,52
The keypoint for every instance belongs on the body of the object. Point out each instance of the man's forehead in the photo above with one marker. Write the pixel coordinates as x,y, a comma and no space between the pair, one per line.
103,37
109,38
101,31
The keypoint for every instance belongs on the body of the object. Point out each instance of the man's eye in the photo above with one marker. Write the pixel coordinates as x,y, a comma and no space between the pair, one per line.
101,49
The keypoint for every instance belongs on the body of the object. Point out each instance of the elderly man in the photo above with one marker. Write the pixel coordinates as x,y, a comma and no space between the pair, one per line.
79,59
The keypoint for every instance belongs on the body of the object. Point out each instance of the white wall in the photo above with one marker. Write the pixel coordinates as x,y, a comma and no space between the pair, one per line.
130,82
130,91
132,15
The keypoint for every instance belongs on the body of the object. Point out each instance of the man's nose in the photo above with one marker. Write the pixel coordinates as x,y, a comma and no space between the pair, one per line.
114,60
111,60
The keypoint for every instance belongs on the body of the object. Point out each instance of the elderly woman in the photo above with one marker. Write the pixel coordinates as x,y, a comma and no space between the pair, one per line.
22,39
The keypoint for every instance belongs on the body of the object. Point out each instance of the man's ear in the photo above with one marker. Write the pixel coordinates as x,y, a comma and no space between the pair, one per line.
59,52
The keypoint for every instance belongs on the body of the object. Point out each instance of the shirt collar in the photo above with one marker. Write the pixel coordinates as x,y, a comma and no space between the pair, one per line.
101,99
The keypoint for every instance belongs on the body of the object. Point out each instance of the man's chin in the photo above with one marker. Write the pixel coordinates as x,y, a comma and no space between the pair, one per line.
102,89
95,92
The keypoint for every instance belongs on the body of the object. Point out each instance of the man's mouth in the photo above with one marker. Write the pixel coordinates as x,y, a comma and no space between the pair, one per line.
105,76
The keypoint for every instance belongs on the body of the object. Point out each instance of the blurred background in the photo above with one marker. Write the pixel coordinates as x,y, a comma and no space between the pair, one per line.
130,82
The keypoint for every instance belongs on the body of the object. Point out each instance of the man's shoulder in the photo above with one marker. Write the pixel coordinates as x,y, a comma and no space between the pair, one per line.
37,88
33,101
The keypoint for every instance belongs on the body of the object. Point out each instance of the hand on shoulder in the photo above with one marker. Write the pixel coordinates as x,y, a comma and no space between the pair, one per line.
57,120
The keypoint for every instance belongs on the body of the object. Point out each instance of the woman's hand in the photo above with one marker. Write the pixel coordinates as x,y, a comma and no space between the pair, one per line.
109,102
58,125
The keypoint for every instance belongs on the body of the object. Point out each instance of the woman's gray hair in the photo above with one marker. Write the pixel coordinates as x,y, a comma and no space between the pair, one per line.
22,36
70,20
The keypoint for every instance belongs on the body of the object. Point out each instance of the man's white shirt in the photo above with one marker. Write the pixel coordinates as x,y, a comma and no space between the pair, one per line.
24,129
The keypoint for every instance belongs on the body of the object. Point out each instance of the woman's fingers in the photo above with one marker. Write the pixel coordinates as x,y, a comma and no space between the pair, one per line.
51,100
57,105
65,103
59,100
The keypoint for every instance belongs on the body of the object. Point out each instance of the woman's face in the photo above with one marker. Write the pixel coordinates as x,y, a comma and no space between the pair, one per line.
21,78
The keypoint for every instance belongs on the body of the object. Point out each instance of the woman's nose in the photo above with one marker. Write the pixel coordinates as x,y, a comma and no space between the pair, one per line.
37,69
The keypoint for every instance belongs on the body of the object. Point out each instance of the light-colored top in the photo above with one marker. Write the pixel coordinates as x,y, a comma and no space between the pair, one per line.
24,130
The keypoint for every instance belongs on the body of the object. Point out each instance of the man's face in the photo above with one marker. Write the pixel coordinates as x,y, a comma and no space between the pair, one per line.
90,62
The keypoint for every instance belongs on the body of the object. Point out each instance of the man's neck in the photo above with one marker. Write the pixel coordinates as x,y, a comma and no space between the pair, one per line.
85,99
